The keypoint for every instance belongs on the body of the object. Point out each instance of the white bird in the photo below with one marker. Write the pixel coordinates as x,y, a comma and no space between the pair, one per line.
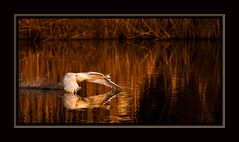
70,80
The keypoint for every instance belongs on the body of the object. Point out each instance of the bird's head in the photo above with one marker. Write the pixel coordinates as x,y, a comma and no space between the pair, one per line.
108,76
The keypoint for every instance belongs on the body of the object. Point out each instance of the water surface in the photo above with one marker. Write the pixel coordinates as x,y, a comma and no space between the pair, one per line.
166,83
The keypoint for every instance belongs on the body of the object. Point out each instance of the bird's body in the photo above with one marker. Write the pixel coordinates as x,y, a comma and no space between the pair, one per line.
70,80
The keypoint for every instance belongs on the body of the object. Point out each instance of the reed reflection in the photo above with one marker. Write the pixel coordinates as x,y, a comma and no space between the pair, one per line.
168,82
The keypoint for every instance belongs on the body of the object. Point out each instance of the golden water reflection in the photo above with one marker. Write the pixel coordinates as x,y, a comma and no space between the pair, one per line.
165,82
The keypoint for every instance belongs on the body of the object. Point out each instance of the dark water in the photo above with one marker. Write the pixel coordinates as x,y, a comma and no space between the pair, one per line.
166,83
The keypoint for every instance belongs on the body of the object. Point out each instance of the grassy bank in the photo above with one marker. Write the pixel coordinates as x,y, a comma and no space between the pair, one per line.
115,28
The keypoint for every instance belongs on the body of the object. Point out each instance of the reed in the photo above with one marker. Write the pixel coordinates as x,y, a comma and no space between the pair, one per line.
131,64
119,28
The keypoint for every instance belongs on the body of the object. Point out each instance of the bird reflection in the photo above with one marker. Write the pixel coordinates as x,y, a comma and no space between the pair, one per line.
74,101
102,108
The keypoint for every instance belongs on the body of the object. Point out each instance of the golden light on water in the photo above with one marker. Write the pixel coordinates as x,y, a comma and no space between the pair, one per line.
172,68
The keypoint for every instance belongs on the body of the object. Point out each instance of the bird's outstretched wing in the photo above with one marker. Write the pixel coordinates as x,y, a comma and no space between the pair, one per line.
99,78
69,83
107,82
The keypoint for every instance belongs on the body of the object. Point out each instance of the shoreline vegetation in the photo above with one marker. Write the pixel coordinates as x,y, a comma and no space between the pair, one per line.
49,29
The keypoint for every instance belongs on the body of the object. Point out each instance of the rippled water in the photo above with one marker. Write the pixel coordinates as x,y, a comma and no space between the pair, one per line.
166,83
